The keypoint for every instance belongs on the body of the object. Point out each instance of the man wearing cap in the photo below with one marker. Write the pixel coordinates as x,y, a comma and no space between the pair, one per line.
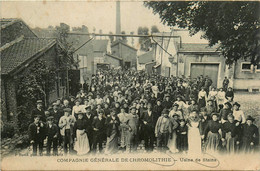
52,136
211,107
158,108
167,104
148,122
66,124
132,131
39,111
163,130
36,134
123,117
88,117
98,133
56,113
250,135
238,114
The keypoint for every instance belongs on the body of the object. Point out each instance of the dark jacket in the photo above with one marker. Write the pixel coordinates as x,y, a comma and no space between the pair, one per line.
98,124
51,132
89,121
36,112
34,134
110,123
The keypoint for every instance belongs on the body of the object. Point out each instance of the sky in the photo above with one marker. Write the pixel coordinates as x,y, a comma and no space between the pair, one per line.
101,15
93,14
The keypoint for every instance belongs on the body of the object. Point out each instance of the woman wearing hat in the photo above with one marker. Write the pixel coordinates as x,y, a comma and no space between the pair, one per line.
112,123
212,131
230,134
80,132
221,98
229,95
238,114
193,106
211,108
225,111
202,98
250,135
76,109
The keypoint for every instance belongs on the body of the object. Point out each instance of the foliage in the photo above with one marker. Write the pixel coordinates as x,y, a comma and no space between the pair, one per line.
66,51
123,38
36,83
24,117
154,29
232,25
145,42
112,38
8,130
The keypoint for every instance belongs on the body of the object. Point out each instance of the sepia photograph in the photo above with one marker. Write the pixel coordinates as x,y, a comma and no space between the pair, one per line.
130,85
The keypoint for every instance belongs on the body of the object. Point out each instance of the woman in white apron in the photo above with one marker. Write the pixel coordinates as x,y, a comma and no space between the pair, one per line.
81,140
194,138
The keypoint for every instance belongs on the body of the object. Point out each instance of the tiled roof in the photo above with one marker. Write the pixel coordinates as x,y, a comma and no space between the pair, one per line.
114,57
15,55
146,57
196,47
7,21
100,45
118,41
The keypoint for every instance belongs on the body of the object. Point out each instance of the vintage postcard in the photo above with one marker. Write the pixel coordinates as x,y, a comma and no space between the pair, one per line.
130,85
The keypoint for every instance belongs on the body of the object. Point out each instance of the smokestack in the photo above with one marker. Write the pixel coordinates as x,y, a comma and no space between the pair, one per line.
118,19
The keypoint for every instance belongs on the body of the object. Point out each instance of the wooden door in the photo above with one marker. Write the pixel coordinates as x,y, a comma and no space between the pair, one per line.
206,69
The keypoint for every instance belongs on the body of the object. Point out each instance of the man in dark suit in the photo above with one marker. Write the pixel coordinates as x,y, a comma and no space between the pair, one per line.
56,113
38,111
158,108
98,127
36,133
52,136
148,128
89,120
167,104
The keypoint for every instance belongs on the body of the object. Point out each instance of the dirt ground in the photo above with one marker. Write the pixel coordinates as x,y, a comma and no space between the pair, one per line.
250,104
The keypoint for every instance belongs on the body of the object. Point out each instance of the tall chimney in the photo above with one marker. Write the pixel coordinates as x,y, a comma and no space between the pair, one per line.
118,19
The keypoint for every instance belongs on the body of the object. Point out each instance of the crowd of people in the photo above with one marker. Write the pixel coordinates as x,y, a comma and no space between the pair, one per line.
122,109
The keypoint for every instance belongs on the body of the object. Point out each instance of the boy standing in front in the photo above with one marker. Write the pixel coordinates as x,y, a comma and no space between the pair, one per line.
37,134
52,131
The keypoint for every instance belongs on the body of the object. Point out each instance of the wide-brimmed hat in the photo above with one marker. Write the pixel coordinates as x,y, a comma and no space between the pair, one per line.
50,118
39,101
236,104
132,107
249,117
67,110
87,107
165,111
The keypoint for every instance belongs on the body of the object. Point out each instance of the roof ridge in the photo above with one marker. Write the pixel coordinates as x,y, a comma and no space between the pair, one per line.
40,38
12,21
7,45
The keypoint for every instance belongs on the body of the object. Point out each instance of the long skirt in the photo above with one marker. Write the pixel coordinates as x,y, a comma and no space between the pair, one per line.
82,143
172,143
230,143
213,140
182,142
112,143
202,102
194,141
